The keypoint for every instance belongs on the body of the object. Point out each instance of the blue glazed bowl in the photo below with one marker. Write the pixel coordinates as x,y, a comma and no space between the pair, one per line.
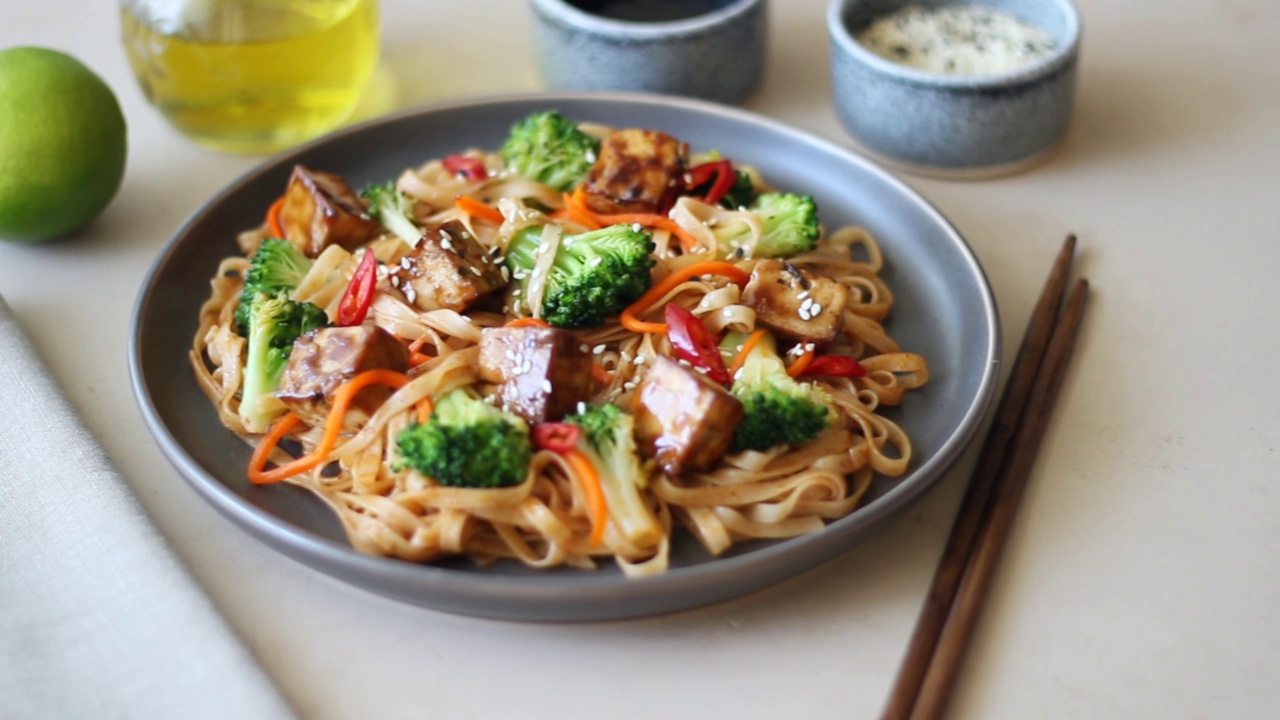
717,55
954,126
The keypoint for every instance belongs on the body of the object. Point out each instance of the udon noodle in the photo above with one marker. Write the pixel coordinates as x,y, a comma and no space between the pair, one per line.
544,521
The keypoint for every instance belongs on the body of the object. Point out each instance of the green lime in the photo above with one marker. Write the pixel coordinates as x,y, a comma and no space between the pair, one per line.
62,144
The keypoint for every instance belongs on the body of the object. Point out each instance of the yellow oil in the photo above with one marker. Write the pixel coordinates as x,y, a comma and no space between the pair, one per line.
252,76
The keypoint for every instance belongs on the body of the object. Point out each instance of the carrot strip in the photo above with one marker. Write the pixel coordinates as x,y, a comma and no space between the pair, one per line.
629,315
476,208
597,507
801,363
747,346
528,322
425,408
575,204
274,434
687,241
332,426
273,218
600,375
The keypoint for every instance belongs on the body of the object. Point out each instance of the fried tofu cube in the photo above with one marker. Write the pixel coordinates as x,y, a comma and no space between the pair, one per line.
635,172
542,373
448,269
325,358
683,420
796,303
320,209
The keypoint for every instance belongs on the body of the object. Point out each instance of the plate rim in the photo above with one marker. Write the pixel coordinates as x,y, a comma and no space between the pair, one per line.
621,597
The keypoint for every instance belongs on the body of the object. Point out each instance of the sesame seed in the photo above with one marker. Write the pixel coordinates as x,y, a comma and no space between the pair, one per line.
817,308
584,347
444,243
636,227
546,386
803,294
476,271
506,274
582,407
597,349
406,263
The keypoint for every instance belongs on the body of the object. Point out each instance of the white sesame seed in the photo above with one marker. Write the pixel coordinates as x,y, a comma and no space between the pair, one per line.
546,386
597,349
584,347
476,271
803,294
817,308
636,227
595,261
582,407
506,274
406,263
444,243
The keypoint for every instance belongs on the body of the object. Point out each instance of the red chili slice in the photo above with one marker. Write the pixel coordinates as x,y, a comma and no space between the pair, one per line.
465,165
693,342
356,299
836,366
556,436
724,175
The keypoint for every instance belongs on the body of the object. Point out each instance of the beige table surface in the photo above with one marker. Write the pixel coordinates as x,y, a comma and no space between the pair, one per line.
1142,579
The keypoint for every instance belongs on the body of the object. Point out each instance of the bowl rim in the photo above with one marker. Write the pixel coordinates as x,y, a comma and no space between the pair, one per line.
1065,52
569,14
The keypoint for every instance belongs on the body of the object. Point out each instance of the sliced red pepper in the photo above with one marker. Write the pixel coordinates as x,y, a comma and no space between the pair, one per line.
467,166
356,299
724,175
693,342
556,436
836,366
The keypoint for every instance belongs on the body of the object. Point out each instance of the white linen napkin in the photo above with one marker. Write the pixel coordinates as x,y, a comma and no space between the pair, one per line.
98,617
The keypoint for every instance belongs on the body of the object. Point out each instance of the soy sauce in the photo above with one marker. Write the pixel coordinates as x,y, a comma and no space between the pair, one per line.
650,10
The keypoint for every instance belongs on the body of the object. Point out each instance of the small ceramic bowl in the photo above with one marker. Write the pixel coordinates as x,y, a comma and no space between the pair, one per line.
709,49
955,126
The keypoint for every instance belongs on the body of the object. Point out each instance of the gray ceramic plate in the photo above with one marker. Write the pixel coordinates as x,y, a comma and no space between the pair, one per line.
944,311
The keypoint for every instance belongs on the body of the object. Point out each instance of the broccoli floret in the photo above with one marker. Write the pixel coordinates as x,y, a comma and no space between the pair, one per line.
594,274
777,409
393,209
275,322
790,224
467,443
549,148
608,441
277,266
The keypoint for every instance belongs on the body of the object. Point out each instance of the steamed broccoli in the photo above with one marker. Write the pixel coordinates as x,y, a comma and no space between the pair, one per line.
277,266
594,274
608,441
274,322
393,209
790,226
777,409
467,443
549,148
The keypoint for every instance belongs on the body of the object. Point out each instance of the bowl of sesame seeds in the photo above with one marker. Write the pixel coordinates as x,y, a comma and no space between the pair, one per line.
952,90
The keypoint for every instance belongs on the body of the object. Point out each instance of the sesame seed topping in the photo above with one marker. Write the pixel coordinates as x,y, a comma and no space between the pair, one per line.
546,385
476,271
597,349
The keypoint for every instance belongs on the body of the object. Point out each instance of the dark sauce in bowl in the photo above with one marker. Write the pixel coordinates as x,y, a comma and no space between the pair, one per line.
649,10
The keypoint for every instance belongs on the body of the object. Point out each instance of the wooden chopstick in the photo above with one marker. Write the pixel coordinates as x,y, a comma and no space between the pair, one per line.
936,645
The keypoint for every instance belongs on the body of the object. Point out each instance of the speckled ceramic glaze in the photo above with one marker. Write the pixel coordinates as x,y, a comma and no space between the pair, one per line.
958,126
716,56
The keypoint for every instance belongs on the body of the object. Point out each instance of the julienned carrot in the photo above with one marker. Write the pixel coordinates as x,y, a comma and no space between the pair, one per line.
687,241
747,346
575,205
425,407
629,315
592,490
600,374
802,362
528,322
273,218
332,426
477,208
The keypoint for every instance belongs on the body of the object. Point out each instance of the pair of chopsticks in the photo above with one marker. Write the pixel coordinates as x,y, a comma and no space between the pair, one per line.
927,676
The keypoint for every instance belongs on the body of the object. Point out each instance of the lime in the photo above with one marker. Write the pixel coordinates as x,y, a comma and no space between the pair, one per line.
62,144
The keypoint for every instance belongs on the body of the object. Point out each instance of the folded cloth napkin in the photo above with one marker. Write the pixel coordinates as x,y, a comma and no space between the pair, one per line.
98,617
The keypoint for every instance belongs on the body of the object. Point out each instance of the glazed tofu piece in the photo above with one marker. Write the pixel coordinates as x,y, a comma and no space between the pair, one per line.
542,373
320,209
683,420
636,171
325,358
449,269
795,303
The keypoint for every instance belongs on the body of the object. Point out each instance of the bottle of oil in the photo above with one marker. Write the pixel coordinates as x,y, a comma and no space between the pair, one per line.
252,76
